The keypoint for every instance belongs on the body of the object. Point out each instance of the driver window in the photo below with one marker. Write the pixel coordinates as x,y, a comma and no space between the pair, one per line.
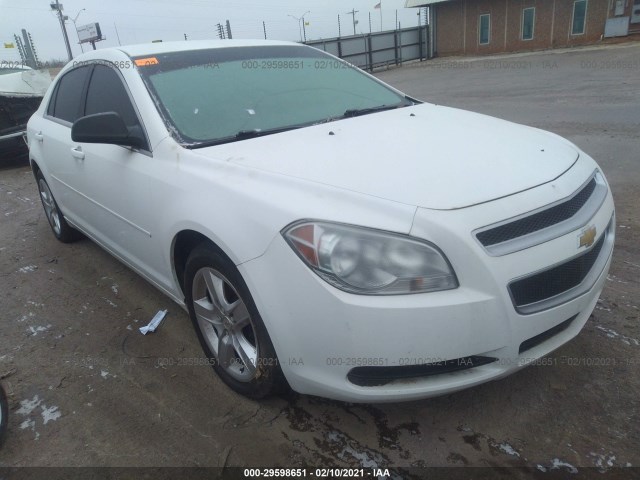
106,93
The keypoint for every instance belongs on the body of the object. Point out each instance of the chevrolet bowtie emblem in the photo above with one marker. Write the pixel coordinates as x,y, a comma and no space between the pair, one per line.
587,237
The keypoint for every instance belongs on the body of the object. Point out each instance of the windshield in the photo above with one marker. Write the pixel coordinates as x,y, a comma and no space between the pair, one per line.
227,94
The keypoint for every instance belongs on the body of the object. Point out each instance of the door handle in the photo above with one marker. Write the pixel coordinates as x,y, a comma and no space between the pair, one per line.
77,153
39,136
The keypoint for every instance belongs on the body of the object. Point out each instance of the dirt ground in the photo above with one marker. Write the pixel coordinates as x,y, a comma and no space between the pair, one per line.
87,389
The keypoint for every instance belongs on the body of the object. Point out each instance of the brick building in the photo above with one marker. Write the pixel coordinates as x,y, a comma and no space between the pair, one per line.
477,27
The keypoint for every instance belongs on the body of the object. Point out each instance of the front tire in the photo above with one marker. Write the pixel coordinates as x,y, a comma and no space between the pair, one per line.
61,229
228,325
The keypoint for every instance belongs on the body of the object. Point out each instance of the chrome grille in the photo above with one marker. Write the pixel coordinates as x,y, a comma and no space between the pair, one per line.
561,283
538,221
546,223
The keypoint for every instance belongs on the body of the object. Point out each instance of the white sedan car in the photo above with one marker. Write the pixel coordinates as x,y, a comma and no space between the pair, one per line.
324,230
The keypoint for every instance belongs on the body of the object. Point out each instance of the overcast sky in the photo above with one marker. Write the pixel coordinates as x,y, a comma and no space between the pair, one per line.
140,21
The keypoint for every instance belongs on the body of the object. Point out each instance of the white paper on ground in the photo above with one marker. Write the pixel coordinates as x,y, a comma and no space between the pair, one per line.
154,323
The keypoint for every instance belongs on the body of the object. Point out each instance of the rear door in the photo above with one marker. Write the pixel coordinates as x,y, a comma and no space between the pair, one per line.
53,140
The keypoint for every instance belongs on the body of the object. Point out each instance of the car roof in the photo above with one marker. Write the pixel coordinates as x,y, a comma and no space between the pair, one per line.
166,47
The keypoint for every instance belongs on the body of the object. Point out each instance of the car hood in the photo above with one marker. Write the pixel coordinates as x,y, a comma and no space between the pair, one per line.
426,155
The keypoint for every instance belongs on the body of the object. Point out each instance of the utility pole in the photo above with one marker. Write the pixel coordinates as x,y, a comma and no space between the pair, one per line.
20,47
28,50
58,8
33,50
355,22
339,27
229,36
220,31
264,28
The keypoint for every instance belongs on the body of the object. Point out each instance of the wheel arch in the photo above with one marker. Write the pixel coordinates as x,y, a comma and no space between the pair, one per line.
181,247
35,168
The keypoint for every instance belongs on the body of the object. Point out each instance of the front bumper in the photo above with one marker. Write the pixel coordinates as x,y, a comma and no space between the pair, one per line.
322,334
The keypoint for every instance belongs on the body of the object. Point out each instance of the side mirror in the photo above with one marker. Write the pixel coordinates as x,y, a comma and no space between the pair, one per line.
105,127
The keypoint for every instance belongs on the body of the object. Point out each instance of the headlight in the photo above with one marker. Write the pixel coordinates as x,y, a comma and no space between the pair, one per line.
371,262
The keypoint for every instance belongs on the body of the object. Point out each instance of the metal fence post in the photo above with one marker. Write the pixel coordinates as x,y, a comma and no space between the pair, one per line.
427,39
395,46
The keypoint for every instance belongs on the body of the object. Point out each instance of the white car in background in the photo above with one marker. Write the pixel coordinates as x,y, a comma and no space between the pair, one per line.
323,229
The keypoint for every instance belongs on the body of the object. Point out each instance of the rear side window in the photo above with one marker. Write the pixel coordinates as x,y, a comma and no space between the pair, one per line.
67,102
107,94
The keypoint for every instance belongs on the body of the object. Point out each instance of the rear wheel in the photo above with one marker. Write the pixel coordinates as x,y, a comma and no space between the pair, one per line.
61,229
229,326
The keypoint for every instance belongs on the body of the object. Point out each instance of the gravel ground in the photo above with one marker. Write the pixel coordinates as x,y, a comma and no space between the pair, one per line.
86,389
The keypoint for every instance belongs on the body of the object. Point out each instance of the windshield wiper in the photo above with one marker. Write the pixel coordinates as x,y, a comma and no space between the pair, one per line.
258,132
356,112
245,135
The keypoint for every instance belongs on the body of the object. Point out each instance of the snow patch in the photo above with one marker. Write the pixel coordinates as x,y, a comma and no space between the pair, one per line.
28,269
613,278
28,406
110,303
603,462
28,424
39,329
508,449
26,317
556,464
50,414
365,460
623,338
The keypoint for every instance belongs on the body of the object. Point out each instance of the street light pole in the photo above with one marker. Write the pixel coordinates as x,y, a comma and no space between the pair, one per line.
76,27
301,26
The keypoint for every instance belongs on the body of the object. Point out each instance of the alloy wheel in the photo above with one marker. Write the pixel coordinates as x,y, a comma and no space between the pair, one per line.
225,323
50,208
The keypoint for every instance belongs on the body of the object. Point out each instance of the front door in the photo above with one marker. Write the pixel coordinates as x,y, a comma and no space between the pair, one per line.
116,184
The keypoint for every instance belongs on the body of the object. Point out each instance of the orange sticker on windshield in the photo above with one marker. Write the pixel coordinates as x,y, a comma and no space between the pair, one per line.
145,62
